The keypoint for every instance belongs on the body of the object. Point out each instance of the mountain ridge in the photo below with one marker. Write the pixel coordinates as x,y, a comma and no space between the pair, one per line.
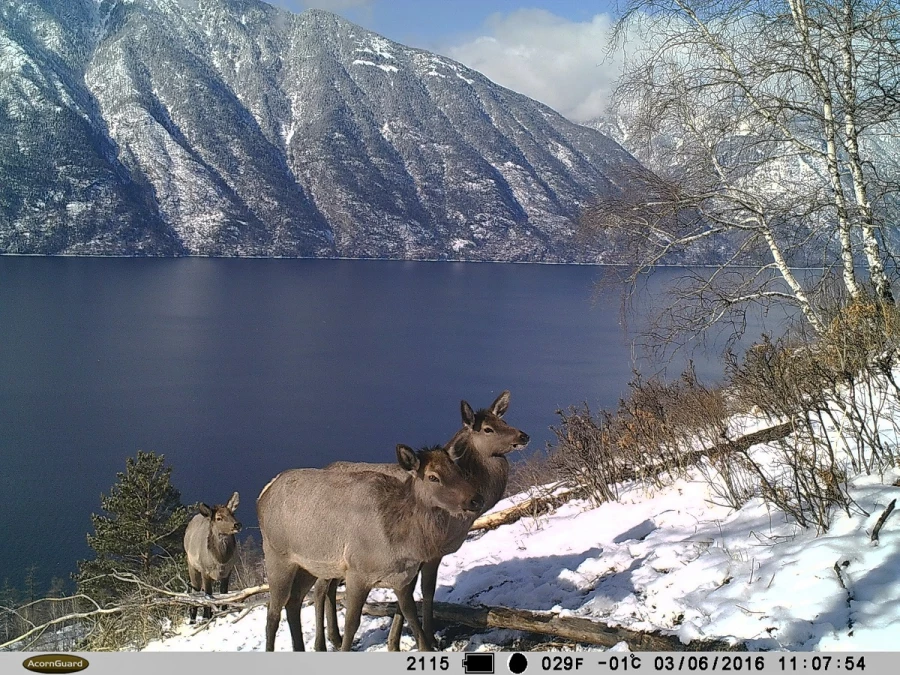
230,127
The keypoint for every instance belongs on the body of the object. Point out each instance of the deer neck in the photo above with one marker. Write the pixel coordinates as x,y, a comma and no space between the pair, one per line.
487,473
220,545
410,523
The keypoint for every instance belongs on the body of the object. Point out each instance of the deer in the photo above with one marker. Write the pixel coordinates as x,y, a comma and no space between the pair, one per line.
480,447
210,545
369,528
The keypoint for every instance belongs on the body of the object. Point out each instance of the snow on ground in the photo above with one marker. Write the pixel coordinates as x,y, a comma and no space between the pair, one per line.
670,560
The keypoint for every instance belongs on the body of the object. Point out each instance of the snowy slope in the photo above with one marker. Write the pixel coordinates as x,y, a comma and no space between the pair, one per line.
669,560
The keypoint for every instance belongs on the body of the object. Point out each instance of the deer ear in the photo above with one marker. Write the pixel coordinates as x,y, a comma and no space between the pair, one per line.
499,406
468,415
456,451
205,511
407,458
233,502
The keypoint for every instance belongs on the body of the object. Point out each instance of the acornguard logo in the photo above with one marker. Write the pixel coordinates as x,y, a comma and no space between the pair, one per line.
55,663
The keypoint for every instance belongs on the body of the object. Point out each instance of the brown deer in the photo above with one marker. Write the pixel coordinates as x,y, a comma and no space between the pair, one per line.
369,528
480,448
209,544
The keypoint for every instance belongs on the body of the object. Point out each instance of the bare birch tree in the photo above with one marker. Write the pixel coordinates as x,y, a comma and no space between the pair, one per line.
760,121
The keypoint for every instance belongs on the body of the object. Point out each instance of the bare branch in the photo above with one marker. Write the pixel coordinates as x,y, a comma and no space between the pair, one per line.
760,122
63,619
882,519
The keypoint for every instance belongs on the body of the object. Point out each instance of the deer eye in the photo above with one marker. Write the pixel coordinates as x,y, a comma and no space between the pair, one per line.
488,430
433,478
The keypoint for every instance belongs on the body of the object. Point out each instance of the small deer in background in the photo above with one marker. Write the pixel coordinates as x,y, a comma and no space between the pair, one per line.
210,545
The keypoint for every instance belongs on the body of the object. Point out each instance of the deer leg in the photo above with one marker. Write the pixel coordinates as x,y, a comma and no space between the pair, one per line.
424,642
354,599
208,590
281,579
303,581
223,589
196,583
331,605
429,572
320,592
397,628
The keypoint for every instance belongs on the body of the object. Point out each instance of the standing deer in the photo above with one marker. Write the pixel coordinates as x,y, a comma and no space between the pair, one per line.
369,528
209,544
480,448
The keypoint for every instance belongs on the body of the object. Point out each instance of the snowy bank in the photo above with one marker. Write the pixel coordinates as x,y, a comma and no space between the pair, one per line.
669,560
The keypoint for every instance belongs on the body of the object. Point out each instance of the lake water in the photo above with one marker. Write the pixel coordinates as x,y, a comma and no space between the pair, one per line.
239,369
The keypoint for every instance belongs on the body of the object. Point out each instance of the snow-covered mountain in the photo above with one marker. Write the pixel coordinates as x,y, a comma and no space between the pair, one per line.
230,127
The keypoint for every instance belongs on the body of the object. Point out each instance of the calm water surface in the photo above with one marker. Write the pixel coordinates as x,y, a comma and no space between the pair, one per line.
239,369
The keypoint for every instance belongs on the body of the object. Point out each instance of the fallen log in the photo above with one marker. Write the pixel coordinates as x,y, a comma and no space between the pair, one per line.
571,628
534,507
545,503
746,441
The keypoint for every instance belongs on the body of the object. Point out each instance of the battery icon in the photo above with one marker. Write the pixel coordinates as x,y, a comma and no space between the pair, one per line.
478,664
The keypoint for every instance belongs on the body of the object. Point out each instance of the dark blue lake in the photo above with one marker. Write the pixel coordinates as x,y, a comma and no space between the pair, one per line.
239,369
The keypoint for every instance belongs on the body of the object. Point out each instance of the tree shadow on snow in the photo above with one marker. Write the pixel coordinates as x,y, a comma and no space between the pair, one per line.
866,603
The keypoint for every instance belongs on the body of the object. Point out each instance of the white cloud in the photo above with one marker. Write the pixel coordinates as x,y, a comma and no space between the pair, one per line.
562,63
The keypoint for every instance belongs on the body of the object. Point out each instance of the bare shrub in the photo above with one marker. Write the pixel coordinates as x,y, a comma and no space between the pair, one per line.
654,435
666,423
249,567
535,473
859,351
732,482
840,393
16,618
146,609
586,455
783,380
141,622
81,622
837,390
139,618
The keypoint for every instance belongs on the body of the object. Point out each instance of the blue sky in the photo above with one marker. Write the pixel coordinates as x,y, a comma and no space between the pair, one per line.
431,23
552,50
